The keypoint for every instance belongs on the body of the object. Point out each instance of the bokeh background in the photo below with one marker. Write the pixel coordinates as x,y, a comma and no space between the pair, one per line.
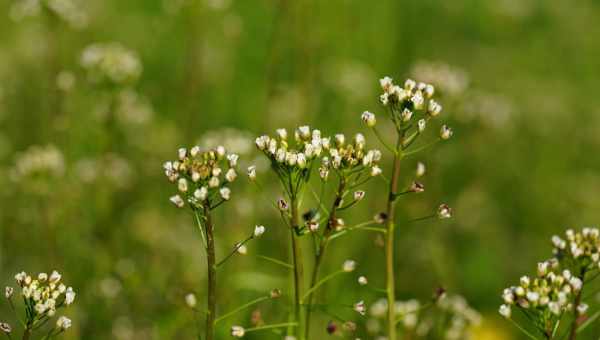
517,79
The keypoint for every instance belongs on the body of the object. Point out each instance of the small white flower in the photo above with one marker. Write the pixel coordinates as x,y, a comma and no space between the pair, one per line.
182,152
340,139
420,169
576,283
376,171
195,151
406,115
241,249
525,281
444,211
349,266
313,226
42,277
201,193
359,195
446,132
259,230
69,296
221,151
386,83
20,278
233,159
182,185
8,292
369,119
190,300
252,172
5,328
505,311
422,125
418,100
582,308
63,323
360,308
362,280
231,175
238,331
177,200
282,133
433,108
429,90
301,160
225,193
542,268
508,296
213,182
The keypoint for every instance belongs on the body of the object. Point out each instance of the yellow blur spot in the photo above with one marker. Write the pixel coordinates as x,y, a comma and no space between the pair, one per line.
491,330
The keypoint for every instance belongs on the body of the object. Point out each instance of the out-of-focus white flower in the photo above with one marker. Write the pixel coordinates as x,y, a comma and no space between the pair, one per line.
63,323
444,211
362,280
505,311
225,193
238,331
359,195
445,132
190,300
8,292
177,200
252,172
259,230
5,328
111,62
69,296
420,169
360,308
349,266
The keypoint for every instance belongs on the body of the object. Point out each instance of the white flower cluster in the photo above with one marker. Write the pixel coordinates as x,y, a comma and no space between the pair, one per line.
39,161
111,62
297,155
202,176
413,317
69,11
409,103
583,247
548,292
43,296
345,157
462,317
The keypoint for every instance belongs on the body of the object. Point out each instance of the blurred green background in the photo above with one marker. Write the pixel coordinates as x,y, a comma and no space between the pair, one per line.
515,77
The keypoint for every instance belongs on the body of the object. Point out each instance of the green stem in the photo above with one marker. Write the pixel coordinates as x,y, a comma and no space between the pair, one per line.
242,307
276,261
523,330
574,325
235,249
298,270
389,249
212,275
321,282
331,224
278,325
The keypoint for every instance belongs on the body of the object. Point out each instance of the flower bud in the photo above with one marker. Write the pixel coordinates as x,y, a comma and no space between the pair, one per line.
369,119
444,211
177,200
190,300
362,281
237,331
252,172
359,195
259,230
349,266
445,132
225,193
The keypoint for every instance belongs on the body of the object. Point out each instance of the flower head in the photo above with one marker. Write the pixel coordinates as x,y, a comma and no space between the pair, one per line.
259,230
238,331
349,266
444,211
201,176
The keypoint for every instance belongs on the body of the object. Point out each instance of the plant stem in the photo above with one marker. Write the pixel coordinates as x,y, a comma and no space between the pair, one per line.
212,275
573,332
27,333
322,248
389,247
298,270
242,307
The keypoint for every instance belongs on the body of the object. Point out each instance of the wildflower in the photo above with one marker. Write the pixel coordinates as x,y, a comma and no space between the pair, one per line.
190,300
237,331
5,328
349,266
416,187
177,200
406,115
282,205
225,193
359,195
422,124
63,323
362,280
376,171
360,308
420,169
433,108
112,63
505,311
182,185
369,119
445,132
582,309
444,211
259,230
201,193
69,296
241,248
275,293
313,226
252,172
8,292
